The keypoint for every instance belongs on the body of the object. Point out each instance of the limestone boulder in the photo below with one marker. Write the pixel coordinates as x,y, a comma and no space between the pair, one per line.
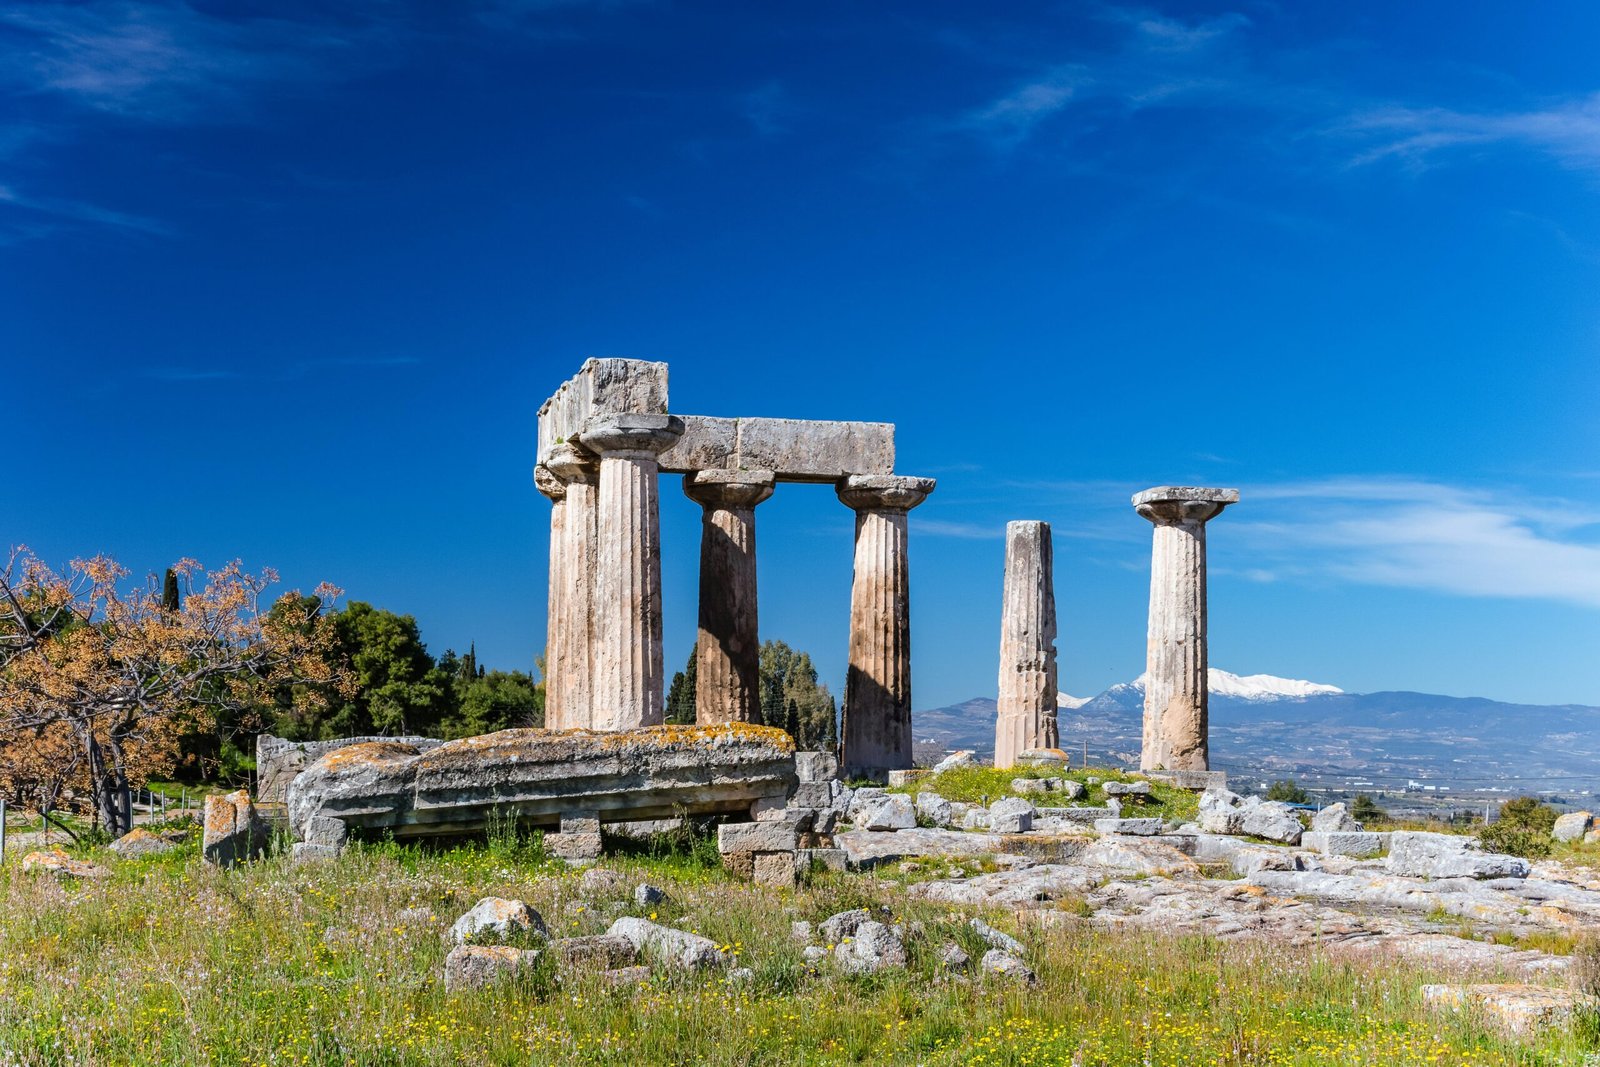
1272,820
1572,826
1222,811
835,928
996,938
538,775
959,758
1126,789
936,809
1334,819
598,952
1517,1010
893,811
1138,856
1011,815
496,919
279,761
1001,964
139,842
470,967
234,831
871,948
664,944
1416,854
56,862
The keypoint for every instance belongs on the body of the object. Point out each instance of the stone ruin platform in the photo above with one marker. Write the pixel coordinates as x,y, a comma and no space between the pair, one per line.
543,778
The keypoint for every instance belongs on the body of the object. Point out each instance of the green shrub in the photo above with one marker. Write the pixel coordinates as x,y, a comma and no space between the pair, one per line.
1523,829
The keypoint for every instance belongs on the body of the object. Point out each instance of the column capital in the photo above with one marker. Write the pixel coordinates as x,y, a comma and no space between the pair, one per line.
548,484
571,464
1167,505
728,489
629,436
883,492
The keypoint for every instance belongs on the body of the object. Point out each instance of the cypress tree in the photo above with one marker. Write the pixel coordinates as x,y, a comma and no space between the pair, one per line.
170,599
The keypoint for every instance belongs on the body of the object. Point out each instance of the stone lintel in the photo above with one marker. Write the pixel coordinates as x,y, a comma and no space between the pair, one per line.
890,492
601,386
795,450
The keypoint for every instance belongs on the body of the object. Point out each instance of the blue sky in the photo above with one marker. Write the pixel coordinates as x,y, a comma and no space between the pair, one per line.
289,282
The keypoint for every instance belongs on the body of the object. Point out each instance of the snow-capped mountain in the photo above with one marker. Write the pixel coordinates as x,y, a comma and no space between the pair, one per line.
1254,686
1071,702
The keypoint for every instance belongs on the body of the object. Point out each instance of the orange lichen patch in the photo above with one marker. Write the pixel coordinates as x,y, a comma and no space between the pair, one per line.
366,753
700,736
226,813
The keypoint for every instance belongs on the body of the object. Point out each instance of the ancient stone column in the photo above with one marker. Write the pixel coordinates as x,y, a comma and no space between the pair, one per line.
569,651
1175,701
628,690
555,636
728,654
877,720
1026,717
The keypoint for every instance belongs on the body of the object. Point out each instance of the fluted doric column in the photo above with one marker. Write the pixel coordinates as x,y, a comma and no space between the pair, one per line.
628,667
569,648
877,719
1176,707
555,624
728,653
1026,716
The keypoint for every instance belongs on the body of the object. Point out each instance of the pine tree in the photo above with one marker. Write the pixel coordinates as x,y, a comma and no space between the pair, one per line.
681,708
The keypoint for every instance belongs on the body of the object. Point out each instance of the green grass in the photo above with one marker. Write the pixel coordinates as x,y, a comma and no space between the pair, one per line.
978,785
170,961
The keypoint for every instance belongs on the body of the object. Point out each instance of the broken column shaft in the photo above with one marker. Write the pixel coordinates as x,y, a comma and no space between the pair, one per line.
728,652
1026,716
1175,697
877,721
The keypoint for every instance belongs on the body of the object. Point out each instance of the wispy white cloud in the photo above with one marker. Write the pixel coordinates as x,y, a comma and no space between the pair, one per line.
78,211
1567,131
1421,534
966,531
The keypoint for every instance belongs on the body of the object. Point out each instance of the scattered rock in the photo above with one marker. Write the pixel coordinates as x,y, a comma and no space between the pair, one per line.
141,842
1138,827
1039,886
740,975
1126,789
1044,757
935,808
1334,819
1011,815
623,977
600,951
679,948
1513,1009
495,919
835,928
873,947
893,811
475,966
646,895
1417,854
54,861
1035,785
1272,820
801,932
959,758
1572,826
975,819
598,880
234,831
954,958
1221,812
814,954
1359,843
1005,965
996,938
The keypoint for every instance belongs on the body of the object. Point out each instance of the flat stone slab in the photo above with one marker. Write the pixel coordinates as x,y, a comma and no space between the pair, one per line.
1358,843
795,450
1137,827
279,761
538,776
869,848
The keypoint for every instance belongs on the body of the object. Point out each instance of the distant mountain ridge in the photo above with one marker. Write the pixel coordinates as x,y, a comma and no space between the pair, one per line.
1280,727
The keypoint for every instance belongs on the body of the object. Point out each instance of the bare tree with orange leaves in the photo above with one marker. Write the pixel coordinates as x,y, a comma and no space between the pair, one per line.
126,676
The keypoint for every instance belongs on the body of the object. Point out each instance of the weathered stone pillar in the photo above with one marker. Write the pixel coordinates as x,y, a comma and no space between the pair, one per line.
728,654
1175,700
555,618
628,666
1026,717
569,651
877,720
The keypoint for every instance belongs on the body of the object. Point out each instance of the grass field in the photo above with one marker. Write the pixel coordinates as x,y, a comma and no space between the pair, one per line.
170,961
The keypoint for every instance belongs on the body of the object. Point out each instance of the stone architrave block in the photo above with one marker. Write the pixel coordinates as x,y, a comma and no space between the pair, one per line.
1418,854
574,848
585,821
816,766
774,869
278,760
1357,844
735,837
